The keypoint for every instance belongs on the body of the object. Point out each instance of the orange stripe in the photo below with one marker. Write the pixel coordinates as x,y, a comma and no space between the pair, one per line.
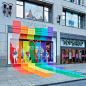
24,30
39,73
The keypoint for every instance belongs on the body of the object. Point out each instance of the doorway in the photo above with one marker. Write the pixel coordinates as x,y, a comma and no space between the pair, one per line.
49,52
73,55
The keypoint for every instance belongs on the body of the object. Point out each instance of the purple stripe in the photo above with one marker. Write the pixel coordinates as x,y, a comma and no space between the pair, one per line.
50,31
43,44
57,66
49,39
50,63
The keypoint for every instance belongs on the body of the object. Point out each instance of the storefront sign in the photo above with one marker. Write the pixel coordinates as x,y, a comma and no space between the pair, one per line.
72,43
33,25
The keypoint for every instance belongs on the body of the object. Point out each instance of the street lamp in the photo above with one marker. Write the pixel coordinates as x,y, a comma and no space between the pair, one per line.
5,6
9,8
58,19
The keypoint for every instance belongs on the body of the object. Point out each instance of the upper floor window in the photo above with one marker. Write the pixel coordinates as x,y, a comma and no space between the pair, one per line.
72,19
79,2
19,9
63,17
32,11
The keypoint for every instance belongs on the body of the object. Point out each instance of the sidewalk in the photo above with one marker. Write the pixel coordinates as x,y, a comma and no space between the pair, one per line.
9,76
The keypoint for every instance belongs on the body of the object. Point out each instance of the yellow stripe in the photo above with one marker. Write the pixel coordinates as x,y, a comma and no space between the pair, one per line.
40,69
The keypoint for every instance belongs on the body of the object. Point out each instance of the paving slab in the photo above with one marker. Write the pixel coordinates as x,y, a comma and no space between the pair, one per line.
10,77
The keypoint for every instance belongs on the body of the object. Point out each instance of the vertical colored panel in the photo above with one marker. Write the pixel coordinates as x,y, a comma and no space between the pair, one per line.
38,31
43,45
43,38
24,30
31,31
16,27
39,50
26,48
21,36
24,36
30,37
37,37
11,52
44,32
49,38
14,45
31,52
50,31
19,51
50,50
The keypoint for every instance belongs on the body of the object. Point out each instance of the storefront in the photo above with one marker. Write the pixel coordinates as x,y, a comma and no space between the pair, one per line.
73,51
28,45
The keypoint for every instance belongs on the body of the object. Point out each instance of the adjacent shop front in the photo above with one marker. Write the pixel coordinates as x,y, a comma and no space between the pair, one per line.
73,50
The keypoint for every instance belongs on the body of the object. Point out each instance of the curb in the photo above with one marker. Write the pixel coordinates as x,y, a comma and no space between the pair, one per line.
61,82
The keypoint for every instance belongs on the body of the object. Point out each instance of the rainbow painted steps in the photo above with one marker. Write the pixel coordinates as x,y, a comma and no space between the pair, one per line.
53,69
39,73
42,70
58,68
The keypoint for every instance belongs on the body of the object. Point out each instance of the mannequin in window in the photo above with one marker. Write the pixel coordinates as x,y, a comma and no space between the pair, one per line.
69,22
41,54
72,23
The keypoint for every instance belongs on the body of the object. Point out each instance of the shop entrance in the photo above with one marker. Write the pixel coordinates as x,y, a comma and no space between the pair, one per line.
73,55
30,51
49,51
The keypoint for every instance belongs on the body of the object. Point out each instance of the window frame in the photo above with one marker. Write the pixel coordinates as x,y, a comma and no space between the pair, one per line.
72,1
38,5
19,5
44,13
65,18
78,18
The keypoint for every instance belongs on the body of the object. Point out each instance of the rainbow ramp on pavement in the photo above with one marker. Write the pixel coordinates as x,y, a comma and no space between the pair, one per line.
43,70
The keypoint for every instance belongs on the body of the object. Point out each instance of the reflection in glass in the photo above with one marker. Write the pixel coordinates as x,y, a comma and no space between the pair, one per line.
33,11
80,56
68,18
78,2
63,17
19,2
83,56
46,9
71,19
19,11
75,20
77,56
73,56
46,14
67,56
81,22
70,56
63,56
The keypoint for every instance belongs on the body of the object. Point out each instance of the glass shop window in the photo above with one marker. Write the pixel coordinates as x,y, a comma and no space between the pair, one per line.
19,9
72,19
32,11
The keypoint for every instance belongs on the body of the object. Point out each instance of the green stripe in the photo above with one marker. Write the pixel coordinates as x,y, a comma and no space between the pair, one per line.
61,72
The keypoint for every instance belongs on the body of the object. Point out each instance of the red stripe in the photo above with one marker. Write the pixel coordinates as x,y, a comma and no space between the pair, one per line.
21,70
